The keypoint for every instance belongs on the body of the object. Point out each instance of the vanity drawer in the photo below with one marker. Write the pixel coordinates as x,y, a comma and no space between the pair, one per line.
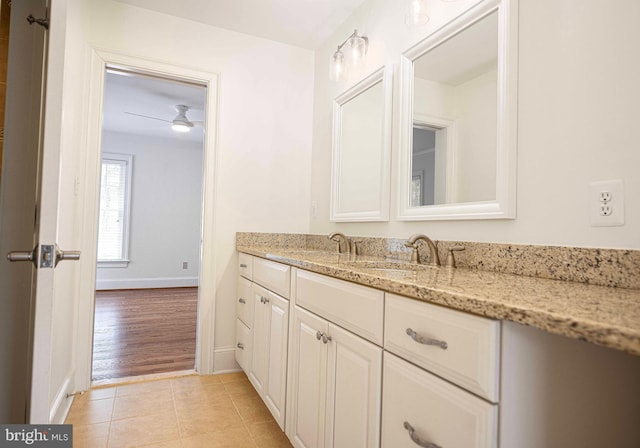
439,412
472,356
244,304
273,276
357,308
243,344
245,265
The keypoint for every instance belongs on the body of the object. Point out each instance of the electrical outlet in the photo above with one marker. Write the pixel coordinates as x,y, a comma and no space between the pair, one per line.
605,197
185,265
606,201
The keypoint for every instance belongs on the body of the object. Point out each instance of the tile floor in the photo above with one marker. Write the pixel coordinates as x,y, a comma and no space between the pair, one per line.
215,411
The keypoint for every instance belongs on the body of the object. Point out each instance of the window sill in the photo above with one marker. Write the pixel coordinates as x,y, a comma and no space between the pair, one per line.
113,263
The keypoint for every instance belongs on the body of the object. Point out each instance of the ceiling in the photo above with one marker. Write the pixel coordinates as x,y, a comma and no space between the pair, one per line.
302,23
153,97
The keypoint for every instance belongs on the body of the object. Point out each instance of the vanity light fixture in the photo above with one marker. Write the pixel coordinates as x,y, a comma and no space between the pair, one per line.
356,48
415,12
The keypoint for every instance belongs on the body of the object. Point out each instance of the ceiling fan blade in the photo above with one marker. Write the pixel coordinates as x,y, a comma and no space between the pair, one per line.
198,123
146,116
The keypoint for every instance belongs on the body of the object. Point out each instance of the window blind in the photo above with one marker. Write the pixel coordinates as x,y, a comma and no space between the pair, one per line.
114,203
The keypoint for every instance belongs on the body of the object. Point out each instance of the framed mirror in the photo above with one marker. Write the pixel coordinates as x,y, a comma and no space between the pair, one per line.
360,172
458,119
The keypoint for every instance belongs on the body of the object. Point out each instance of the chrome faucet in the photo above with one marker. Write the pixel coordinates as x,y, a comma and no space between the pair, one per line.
337,237
412,242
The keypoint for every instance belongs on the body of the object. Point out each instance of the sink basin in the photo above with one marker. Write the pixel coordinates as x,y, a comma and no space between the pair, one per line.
390,266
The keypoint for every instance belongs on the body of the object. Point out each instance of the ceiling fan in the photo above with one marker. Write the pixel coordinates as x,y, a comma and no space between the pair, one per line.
180,123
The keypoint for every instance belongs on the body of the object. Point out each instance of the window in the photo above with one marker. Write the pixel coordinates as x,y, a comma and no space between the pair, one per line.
115,201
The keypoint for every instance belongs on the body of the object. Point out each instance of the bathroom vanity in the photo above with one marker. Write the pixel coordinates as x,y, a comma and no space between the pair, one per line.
363,351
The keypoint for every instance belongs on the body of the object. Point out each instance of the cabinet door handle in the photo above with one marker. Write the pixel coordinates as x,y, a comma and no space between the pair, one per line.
241,300
264,300
242,265
240,345
320,335
426,341
416,438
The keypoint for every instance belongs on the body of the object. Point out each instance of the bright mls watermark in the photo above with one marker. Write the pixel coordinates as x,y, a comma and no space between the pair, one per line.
36,436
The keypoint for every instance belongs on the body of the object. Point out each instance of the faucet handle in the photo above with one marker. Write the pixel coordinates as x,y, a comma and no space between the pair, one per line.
451,261
354,246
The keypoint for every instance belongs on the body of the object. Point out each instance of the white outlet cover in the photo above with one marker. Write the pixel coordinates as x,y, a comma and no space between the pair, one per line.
616,204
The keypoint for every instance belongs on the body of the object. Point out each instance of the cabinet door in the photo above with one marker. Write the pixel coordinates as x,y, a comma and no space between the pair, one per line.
277,338
243,344
307,381
260,328
354,389
244,304
420,409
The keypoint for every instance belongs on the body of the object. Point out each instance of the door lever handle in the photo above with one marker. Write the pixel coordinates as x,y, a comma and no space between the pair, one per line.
46,254
18,255
62,255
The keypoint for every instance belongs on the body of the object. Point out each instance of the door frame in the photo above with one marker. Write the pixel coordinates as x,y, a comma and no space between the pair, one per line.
99,61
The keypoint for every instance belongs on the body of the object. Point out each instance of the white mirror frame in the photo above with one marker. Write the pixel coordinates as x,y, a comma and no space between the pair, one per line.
381,212
504,207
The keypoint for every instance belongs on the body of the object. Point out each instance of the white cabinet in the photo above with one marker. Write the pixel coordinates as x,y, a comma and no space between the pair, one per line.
262,329
421,409
243,344
268,366
354,374
459,347
335,376
307,381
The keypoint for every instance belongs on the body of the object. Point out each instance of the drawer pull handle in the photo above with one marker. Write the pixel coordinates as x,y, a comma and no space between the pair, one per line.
426,341
242,301
416,438
242,265
320,335
240,345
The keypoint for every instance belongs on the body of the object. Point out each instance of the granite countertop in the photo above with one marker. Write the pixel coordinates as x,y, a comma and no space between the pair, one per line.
601,315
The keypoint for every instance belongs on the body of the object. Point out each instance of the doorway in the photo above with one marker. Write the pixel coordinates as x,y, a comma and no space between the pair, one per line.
149,229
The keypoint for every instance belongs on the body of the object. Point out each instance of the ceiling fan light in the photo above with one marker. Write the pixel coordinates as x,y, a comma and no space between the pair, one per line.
180,127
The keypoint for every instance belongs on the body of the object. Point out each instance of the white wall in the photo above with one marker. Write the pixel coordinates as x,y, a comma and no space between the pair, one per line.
264,126
166,212
476,138
577,113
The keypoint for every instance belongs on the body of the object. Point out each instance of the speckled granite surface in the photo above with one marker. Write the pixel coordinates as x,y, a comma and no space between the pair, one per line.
601,315
605,267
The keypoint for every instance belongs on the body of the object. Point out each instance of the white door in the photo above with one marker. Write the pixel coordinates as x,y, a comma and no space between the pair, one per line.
260,329
28,219
308,383
354,391
275,390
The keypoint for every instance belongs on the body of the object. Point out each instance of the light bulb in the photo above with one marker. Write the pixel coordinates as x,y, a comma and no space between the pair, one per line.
357,49
180,127
338,69
415,12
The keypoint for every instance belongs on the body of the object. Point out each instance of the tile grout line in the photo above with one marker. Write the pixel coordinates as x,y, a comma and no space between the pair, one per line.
244,423
175,411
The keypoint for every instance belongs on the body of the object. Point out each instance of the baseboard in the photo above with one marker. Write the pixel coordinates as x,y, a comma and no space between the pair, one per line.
224,360
145,283
61,404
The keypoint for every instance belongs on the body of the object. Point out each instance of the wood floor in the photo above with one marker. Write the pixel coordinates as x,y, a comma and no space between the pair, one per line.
143,332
